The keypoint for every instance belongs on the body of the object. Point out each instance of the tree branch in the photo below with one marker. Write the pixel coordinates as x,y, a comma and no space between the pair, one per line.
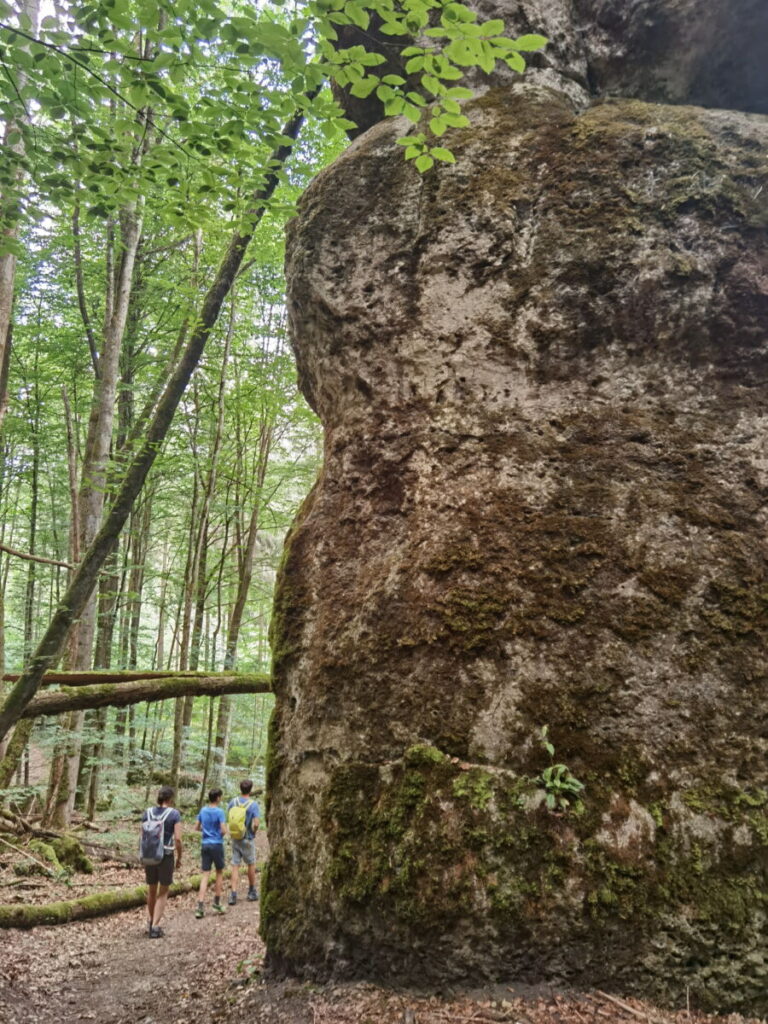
34,558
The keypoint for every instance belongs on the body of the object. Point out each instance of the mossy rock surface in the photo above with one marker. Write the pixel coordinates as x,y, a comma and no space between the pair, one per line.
72,855
542,373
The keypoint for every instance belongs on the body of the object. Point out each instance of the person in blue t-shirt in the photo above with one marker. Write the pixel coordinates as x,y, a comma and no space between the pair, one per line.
212,822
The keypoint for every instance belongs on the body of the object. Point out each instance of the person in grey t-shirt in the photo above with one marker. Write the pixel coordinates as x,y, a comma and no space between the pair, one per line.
243,822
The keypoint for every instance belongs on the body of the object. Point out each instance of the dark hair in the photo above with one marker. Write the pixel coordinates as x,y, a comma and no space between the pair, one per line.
213,795
246,786
165,794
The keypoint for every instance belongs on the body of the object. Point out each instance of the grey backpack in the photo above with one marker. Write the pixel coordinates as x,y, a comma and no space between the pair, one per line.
152,842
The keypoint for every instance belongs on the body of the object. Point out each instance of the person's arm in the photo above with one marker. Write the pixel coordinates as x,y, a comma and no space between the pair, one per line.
223,824
198,826
177,842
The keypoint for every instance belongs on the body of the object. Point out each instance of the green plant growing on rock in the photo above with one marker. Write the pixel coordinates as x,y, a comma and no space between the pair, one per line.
558,781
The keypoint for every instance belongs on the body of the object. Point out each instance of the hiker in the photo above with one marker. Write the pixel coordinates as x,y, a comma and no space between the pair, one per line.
242,822
160,839
212,822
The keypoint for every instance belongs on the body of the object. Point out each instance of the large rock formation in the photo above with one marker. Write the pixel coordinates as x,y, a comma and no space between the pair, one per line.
542,373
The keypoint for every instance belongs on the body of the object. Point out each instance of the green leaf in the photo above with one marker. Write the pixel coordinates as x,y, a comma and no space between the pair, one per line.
358,15
516,62
530,43
440,153
463,52
394,28
364,87
424,163
492,28
437,126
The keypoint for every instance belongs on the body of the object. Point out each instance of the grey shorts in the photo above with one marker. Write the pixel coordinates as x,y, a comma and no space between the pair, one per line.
243,852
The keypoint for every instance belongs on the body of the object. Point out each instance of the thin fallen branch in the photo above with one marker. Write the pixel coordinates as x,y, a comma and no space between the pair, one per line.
123,694
29,856
34,558
31,915
626,1007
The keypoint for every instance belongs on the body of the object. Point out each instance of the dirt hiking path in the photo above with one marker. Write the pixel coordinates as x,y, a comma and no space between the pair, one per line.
109,971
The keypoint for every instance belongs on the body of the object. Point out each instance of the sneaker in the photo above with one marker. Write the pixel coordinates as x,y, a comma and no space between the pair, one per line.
156,933
232,898
252,895
218,909
200,912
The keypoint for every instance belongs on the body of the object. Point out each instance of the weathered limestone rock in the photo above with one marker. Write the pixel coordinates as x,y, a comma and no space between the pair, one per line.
710,52
671,51
542,373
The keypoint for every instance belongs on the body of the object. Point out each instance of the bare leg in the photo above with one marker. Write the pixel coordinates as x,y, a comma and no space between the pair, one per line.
151,900
159,909
233,881
252,876
217,885
204,884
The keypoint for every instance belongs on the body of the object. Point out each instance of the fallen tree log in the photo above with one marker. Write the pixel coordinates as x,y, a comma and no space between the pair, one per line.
27,915
90,678
123,694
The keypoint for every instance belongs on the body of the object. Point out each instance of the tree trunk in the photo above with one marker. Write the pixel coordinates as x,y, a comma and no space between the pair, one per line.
123,694
9,211
14,751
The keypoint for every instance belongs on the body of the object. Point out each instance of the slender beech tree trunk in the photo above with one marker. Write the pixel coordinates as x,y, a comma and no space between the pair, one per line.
63,783
9,211
84,579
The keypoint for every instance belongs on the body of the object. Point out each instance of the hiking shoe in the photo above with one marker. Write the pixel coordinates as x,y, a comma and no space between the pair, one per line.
252,895
156,933
218,909
232,899
200,911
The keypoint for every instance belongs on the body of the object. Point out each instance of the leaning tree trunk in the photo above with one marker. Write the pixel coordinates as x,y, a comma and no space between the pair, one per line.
542,376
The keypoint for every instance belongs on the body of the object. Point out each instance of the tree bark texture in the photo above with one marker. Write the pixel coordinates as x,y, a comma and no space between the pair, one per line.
542,375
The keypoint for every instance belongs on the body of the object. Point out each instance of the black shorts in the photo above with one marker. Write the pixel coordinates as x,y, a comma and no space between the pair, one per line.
162,873
212,856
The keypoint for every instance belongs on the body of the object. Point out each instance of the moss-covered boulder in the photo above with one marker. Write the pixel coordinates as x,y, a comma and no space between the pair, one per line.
45,861
72,854
542,374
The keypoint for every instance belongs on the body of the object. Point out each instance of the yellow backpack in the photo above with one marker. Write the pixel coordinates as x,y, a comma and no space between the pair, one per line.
236,819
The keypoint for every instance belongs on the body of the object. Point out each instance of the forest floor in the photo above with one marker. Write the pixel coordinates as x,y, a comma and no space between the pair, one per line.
107,970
